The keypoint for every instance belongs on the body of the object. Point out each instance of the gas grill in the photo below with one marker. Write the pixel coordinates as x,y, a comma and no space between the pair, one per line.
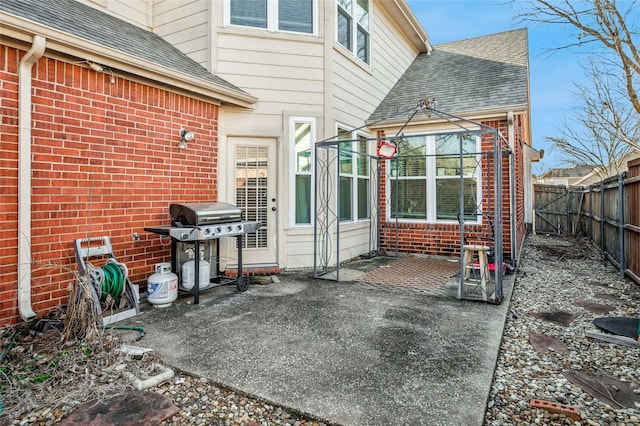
197,226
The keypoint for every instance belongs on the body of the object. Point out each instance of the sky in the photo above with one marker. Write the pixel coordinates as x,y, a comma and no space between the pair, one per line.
552,74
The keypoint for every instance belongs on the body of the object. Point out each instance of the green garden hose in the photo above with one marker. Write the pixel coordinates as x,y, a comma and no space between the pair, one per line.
113,281
127,327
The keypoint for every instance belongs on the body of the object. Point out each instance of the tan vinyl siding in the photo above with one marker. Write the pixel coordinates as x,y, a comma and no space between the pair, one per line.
285,75
185,24
133,11
390,57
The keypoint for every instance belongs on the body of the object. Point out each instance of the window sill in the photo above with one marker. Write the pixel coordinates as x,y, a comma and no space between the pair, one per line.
264,33
351,57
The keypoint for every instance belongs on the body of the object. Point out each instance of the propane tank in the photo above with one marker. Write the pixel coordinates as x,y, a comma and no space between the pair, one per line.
188,272
162,287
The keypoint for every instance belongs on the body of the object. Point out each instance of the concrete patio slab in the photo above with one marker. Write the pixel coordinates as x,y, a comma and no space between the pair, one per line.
351,353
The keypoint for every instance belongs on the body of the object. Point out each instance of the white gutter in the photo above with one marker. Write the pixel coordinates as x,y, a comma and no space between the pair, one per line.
24,176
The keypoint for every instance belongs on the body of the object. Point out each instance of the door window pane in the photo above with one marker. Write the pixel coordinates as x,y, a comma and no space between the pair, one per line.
251,191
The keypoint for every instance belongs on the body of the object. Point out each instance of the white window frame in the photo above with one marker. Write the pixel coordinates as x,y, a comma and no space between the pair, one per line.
431,177
272,18
354,29
354,137
292,176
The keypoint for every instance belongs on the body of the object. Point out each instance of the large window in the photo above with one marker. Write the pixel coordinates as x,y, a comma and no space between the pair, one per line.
353,27
302,133
274,15
354,201
429,172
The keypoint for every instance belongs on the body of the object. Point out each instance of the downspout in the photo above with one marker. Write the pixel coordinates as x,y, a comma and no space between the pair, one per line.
24,176
512,181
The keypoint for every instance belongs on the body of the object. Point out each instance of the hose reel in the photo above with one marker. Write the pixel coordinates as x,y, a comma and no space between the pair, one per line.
108,280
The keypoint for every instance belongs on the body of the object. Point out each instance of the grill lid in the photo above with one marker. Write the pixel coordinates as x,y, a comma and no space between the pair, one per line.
204,213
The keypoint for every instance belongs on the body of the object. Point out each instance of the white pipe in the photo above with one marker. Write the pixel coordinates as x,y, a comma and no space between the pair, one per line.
24,176
512,181
140,384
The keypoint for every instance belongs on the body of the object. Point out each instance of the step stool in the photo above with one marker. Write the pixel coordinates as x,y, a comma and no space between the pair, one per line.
476,277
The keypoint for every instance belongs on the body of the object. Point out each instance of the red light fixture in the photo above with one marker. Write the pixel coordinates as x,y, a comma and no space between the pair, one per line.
387,149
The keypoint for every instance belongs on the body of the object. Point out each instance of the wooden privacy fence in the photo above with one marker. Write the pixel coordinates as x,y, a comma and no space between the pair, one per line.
608,213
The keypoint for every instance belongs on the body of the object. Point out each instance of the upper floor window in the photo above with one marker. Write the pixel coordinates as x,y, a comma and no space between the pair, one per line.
353,27
274,15
431,176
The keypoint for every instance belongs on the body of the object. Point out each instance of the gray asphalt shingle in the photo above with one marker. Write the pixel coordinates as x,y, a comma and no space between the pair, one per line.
469,75
77,19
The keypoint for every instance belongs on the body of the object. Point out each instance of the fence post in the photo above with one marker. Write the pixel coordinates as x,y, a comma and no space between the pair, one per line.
621,178
569,193
602,216
590,224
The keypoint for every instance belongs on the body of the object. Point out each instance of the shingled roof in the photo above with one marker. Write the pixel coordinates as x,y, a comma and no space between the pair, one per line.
77,19
476,74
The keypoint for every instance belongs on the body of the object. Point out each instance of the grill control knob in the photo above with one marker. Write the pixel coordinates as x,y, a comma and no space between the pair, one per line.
239,227
219,229
229,228
207,231
184,236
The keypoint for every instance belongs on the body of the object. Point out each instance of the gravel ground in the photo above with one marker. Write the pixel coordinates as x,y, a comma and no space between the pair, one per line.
554,274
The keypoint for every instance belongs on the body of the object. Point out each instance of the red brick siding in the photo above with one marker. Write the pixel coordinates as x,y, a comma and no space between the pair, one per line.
105,162
444,239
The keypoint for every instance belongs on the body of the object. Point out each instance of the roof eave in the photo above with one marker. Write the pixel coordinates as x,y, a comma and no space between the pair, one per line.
24,30
402,13
473,115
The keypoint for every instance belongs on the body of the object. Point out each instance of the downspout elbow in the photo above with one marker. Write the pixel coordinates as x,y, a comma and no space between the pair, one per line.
24,176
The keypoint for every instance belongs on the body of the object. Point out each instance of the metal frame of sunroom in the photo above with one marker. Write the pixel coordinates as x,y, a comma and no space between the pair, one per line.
326,218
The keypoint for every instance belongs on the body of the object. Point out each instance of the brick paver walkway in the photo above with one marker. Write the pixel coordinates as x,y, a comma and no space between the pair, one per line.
419,273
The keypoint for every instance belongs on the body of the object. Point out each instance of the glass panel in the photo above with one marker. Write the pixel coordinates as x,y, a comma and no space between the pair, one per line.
411,160
303,199
363,45
346,4
295,15
249,13
346,160
448,150
251,189
448,199
344,29
303,147
363,158
362,13
344,203
364,202
411,201
362,16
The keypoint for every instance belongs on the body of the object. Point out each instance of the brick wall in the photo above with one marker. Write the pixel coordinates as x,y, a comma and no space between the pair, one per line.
105,162
444,239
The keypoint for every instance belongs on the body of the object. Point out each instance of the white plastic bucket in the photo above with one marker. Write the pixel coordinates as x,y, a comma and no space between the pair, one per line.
162,287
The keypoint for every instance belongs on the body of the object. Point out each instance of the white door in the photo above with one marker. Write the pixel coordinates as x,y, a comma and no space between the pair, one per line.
254,190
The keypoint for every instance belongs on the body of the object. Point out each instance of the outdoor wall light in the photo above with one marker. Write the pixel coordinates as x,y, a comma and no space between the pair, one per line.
96,67
184,137
387,149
